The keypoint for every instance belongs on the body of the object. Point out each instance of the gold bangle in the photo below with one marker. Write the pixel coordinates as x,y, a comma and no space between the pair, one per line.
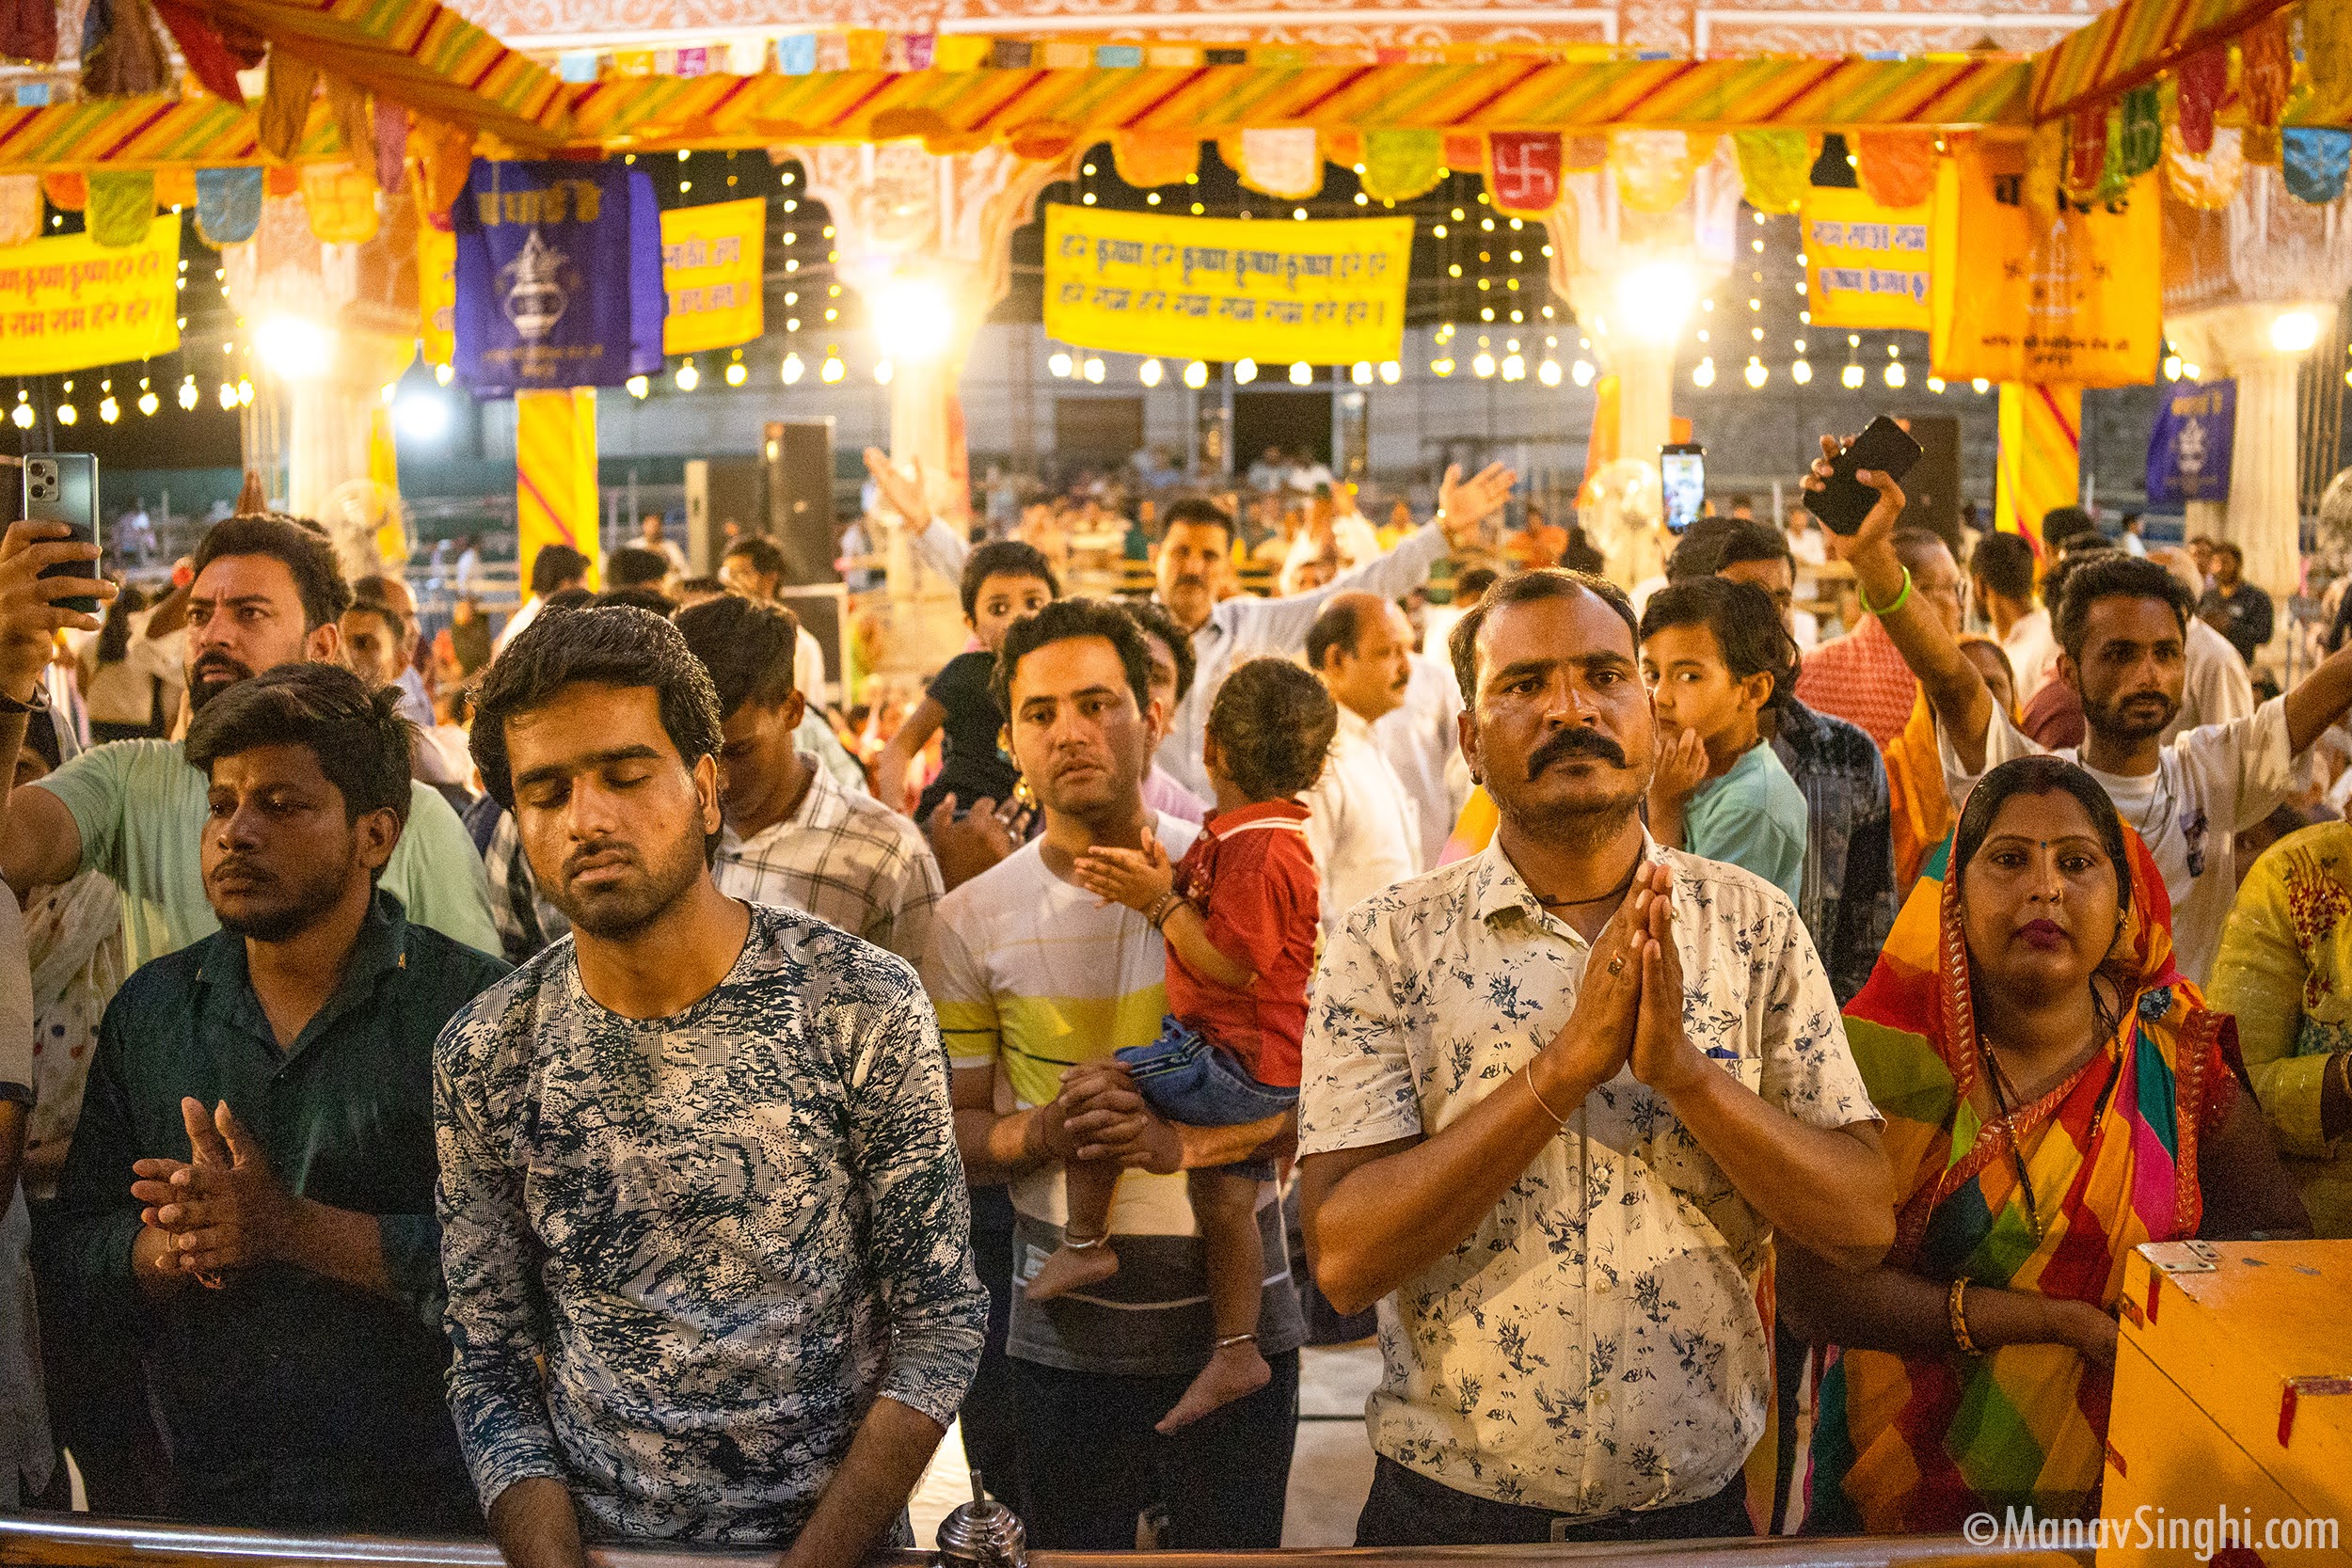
1953,1309
1527,1074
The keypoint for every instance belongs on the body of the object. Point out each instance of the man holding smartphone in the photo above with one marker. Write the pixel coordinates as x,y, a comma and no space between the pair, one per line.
267,591
2123,628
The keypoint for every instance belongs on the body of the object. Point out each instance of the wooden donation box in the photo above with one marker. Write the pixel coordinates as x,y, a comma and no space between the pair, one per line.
2231,1436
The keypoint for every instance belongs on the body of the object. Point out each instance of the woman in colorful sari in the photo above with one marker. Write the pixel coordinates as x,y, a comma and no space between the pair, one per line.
2055,1094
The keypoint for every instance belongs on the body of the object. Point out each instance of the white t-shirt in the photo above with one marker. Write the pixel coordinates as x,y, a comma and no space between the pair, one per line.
1361,822
2032,652
2210,784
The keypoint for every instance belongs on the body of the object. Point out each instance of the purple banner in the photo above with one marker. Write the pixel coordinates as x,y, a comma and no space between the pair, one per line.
553,263
2188,451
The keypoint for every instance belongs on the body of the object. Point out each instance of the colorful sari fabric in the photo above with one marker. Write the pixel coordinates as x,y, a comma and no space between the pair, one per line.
1916,1442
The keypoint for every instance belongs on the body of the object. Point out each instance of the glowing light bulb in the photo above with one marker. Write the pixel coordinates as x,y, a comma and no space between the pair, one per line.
1302,373
689,377
831,371
1895,372
189,396
1981,385
1094,371
1800,372
66,414
1442,368
227,394
637,386
1150,372
1391,371
1197,376
1058,363
883,370
1548,372
444,373
22,416
1755,372
1513,367
1935,385
1702,373
1581,373
2294,331
2172,367
1360,372
1484,366
1245,370
1851,375
738,373
793,369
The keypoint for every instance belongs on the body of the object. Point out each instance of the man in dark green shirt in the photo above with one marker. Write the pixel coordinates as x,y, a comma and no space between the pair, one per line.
254,1168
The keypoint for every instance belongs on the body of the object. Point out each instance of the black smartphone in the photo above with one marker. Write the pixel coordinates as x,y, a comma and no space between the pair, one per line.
1682,478
62,487
1842,502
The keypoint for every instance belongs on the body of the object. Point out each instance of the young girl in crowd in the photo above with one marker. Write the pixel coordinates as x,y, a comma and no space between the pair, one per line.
1002,582
1719,664
1239,913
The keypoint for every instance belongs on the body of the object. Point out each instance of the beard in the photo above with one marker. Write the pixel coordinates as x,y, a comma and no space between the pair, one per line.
227,670
282,909
614,912
2132,718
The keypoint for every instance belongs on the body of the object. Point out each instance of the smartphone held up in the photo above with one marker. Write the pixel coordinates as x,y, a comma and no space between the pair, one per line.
62,487
1841,503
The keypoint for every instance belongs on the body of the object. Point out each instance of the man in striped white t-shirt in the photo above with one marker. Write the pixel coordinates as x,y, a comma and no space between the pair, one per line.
1036,983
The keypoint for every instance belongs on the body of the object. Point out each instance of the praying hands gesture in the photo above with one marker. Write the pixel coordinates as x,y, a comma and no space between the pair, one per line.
225,1209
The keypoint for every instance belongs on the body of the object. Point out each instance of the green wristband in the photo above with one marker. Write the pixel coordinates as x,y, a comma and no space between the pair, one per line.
1864,599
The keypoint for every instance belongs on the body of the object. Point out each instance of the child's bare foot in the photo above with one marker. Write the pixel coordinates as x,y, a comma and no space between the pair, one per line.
1072,1268
1232,1373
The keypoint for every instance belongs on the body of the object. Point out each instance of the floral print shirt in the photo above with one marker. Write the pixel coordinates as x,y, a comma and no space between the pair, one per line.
1595,1344
724,1233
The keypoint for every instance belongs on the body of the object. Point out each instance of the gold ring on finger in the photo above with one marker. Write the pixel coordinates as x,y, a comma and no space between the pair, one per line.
1616,965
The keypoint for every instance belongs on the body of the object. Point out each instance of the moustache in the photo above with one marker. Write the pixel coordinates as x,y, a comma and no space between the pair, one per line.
218,664
236,866
574,865
1575,743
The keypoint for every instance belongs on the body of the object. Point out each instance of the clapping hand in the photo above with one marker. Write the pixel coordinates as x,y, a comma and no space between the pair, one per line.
225,1209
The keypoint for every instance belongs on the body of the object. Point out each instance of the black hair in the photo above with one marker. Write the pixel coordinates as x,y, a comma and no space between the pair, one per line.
569,598
380,589
636,595
360,741
297,544
747,647
368,604
2230,548
1470,584
1545,583
766,559
1195,511
554,566
2062,571
114,638
2114,575
2125,522
1715,543
1005,558
2003,562
633,568
617,646
1154,618
704,586
1339,626
1273,724
1066,619
2040,775
1747,624
1915,546
2061,523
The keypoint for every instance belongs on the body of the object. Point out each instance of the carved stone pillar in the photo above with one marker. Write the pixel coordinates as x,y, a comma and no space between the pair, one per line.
925,239
1635,278
2237,281
355,309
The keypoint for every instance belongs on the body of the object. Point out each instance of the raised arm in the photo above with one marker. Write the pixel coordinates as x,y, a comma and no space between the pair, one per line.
1462,506
935,545
39,845
1954,687
2319,699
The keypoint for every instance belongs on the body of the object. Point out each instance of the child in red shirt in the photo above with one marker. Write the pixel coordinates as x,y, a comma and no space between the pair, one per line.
1239,913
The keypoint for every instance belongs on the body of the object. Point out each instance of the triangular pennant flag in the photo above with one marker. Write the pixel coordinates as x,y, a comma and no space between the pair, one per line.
66,189
341,203
1402,164
2207,180
1523,171
286,103
1773,166
1287,165
1149,158
2086,151
2139,134
20,209
227,205
121,206
2314,160
1897,168
2201,79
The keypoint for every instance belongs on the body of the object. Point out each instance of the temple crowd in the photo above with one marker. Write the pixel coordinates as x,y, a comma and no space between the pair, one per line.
579,1085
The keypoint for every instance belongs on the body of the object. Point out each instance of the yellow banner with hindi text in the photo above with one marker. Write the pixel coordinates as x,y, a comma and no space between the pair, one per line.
66,303
1327,294
1865,265
712,258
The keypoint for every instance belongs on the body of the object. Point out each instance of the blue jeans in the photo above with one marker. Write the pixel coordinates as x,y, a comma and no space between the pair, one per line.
1189,1079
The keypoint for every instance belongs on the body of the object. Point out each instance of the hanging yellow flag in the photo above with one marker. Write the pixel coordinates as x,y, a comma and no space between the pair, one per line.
1865,265
67,305
2041,455
437,293
1328,292
2074,302
712,260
